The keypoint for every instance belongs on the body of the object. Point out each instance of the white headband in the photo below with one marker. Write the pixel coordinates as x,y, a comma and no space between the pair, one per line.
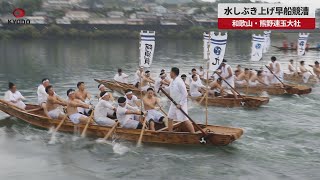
47,80
101,86
130,92
71,92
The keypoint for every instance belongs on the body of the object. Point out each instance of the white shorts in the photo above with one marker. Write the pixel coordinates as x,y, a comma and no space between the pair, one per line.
154,115
75,118
176,114
253,84
104,121
241,83
54,114
196,94
130,124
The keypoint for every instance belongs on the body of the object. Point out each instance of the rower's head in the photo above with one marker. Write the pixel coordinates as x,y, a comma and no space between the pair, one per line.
163,75
122,101
71,93
201,68
129,93
183,77
219,80
291,61
49,90
193,71
273,59
246,70
150,92
141,68
238,67
237,72
163,71
45,82
316,63
81,86
105,95
194,77
302,63
101,87
259,73
120,71
147,73
12,87
174,72
224,62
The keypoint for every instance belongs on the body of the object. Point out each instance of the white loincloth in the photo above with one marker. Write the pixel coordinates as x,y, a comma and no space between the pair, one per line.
75,118
104,121
196,94
154,115
306,76
54,114
241,83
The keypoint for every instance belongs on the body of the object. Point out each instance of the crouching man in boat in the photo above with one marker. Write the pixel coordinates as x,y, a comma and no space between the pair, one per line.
42,95
290,67
240,79
14,97
121,77
306,74
104,109
216,88
184,79
128,115
258,80
83,95
54,104
132,99
161,81
72,110
179,93
316,69
146,81
102,88
197,89
153,115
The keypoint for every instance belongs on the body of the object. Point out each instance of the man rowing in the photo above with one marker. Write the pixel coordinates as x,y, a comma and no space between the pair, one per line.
138,76
132,99
275,67
257,80
121,77
127,115
42,94
316,69
179,94
201,73
227,77
14,97
184,79
83,95
161,81
54,104
72,110
290,67
146,81
104,110
102,88
197,89
306,74
216,88
151,105
240,79
193,72
239,68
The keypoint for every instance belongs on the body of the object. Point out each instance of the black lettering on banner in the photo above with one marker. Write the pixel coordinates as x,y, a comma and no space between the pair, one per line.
147,54
217,62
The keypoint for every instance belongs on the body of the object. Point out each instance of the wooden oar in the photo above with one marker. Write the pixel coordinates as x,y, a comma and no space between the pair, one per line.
142,131
83,134
111,131
163,111
175,103
285,86
59,125
204,96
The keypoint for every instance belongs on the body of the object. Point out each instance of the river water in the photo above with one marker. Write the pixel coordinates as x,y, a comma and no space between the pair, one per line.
280,141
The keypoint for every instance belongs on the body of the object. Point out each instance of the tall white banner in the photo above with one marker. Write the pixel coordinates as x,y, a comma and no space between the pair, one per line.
217,49
302,42
267,41
205,45
147,45
257,47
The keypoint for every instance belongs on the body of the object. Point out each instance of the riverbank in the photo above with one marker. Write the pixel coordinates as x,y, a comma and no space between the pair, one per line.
115,31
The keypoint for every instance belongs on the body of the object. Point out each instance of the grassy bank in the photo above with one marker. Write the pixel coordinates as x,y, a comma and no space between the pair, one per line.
54,32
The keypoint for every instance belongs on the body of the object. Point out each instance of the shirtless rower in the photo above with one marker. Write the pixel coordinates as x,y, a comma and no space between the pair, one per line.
316,69
306,74
121,77
227,76
138,76
14,97
197,89
132,99
54,104
146,81
161,81
257,80
83,95
72,110
216,88
290,67
42,95
239,68
127,115
201,73
104,110
150,105
240,79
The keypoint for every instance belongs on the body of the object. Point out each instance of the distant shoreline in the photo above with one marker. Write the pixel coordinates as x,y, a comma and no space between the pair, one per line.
90,31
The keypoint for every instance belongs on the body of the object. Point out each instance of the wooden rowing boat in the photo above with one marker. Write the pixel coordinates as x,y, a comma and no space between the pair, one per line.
230,101
275,90
298,79
217,135
120,87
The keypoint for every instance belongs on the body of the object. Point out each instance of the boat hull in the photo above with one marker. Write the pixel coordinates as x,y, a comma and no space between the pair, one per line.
290,89
298,79
217,135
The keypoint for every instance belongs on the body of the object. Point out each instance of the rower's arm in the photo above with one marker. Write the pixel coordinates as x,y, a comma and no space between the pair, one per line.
278,68
230,73
61,101
80,97
79,104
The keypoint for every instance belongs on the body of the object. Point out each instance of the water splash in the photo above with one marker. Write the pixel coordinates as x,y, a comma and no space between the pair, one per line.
53,139
51,130
31,137
119,148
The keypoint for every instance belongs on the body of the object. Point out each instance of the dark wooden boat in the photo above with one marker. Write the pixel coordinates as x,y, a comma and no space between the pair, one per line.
274,90
297,78
294,49
120,87
217,135
230,101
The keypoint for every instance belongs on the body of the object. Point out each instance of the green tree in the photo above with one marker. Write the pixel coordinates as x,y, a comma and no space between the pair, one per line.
29,6
53,31
27,31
